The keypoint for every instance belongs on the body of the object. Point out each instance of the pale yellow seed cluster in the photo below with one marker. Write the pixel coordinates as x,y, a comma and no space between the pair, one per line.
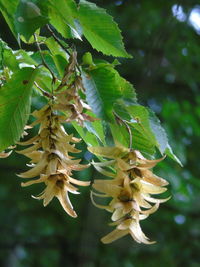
50,159
131,185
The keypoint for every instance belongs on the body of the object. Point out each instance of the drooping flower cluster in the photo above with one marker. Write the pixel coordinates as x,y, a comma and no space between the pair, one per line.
131,185
50,159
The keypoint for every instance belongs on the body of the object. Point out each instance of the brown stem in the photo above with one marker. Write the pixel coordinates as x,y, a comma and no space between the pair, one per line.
45,93
56,39
128,129
43,60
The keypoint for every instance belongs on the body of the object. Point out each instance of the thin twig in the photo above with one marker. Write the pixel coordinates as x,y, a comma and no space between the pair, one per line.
45,93
128,129
59,42
65,49
57,39
43,60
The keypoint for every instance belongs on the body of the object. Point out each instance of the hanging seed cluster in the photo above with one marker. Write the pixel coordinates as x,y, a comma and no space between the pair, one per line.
51,148
131,182
131,185
50,159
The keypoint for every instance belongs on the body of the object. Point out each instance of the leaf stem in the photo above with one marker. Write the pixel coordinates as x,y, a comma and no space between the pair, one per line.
57,39
43,60
45,93
128,129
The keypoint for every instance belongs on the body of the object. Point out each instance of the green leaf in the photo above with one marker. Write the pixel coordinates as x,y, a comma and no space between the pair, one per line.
169,152
48,60
140,121
127,90
158,131
87,59
7,57
120,134
121,111
66,9
24,59
147,131
15,100
95,127
142,143
89,138
29,16
161,137
58,54
102,91
31,40
61,27
62,16
8,9
89,126
55,48
60,63
44,80
137,118
100,30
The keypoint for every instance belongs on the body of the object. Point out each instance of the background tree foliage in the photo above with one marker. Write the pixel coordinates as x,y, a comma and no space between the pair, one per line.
164,71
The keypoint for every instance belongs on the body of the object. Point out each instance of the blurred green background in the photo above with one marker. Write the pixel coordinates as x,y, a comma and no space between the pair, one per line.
164,39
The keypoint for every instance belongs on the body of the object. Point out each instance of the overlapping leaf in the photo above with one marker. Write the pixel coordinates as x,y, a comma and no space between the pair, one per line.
15,100
62,16
58,54
146,130
158,131
29,16
140,122
7,57
8,9
89,138
102,91
100,30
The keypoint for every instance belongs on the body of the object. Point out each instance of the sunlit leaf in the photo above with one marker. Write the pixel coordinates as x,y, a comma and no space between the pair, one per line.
8,9
158,131
7,57
100,30
15,100
102,91
62,16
